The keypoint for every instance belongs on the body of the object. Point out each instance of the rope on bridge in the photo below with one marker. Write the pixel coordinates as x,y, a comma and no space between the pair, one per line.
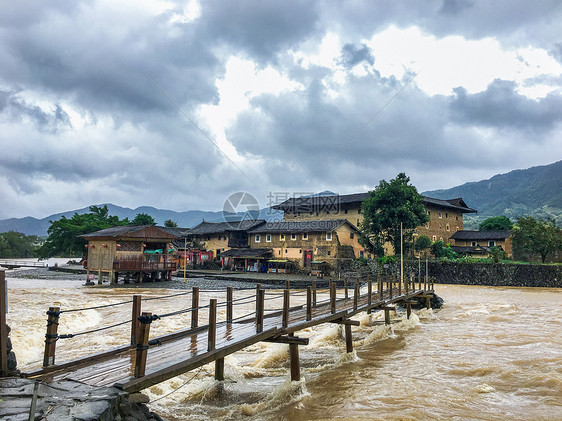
72,335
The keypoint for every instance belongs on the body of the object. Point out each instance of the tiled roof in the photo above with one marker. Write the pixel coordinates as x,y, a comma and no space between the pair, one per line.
247,253
481,235
205,228
136,231
333,203
301,226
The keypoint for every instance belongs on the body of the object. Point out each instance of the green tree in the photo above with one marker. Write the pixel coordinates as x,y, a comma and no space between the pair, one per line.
388,205
496,223
143,219
422,243
537,236
497,253
17,245
170,224
440,249
64,234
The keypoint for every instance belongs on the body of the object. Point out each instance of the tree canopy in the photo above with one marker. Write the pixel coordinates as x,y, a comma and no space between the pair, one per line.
17,245
537,236
143,219
388,205
170,224
422,243
64,234
496,223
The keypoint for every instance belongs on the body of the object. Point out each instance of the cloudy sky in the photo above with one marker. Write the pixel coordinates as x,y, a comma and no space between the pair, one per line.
179,104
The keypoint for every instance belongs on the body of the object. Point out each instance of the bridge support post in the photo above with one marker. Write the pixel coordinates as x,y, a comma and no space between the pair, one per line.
386,316
219,369
260,310
51,336
142,345
100,277
345,288
112,280
135,324
229,309
194,307
408,310
348,338
294,361
212,334
428,302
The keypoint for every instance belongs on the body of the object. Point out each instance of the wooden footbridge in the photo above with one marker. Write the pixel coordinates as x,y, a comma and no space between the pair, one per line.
147,361
15,264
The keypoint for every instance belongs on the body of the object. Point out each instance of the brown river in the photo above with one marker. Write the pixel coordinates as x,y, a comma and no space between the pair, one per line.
488,354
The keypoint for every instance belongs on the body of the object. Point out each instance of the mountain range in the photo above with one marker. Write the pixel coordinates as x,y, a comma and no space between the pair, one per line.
535,191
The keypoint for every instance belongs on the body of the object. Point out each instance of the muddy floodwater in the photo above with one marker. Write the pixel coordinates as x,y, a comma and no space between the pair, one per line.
488,354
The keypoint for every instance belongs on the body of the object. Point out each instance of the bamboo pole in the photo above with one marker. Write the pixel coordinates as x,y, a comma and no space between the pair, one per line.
51,336
356,295
346,296
314,293
369,295
3,326
308,303
194,307
135,324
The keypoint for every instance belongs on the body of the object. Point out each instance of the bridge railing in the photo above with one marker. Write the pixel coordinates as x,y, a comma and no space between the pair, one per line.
311,299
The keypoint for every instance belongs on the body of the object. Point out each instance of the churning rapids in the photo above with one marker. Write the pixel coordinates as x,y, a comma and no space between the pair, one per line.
488,354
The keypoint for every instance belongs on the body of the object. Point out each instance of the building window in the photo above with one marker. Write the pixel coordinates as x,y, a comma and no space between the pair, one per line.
310,213
258,238
440,216
282,237
351,235
286,251
361,254
328,236
473,244
448,228
345,211
329,252
359,210
434,238
427,225
293,237
446,215
300,251
491,243
457,229
268,238
305,236
279,252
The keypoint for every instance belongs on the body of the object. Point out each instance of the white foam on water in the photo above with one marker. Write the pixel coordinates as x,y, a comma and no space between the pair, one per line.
484,388
329,336
276,355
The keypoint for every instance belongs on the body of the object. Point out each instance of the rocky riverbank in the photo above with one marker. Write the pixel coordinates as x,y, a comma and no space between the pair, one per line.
69,400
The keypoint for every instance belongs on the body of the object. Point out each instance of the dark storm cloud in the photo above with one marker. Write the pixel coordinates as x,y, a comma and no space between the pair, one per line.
262,29
501,106
353,55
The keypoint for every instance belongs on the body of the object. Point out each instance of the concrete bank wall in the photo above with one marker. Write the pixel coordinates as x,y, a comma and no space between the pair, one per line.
501,274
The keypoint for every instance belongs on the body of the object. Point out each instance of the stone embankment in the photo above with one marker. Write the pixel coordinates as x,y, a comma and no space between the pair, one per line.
69,400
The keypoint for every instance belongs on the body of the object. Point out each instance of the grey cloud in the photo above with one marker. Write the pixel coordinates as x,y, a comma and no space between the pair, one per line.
501,106
262,29
16,108
353,55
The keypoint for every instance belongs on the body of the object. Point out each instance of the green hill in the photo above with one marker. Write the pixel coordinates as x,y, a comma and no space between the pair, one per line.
536,191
